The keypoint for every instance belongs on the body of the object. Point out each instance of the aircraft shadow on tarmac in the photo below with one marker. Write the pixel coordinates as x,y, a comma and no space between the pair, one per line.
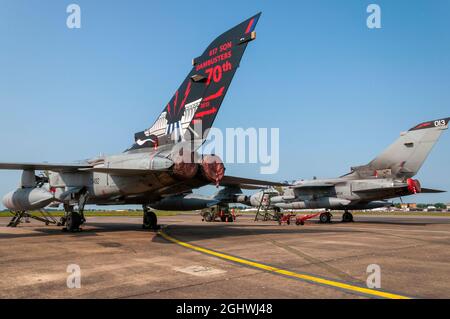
208,231
90,230
406,221
189,233
397,223
194,232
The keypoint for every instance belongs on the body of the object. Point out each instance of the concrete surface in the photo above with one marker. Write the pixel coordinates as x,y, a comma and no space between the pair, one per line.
120,260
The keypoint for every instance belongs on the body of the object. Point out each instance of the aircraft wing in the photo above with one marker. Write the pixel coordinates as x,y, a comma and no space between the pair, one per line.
121,171
431,190
398,190
376,190
44,166
76,168
247,183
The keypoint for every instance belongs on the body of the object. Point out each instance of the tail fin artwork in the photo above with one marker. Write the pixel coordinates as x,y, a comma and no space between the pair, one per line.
194,106
406,155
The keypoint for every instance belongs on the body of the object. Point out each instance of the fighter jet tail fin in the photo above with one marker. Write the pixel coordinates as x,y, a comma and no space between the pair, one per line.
191,112
405,156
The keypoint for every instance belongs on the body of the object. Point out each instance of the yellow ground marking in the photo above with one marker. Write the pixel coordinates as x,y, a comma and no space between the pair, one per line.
309,278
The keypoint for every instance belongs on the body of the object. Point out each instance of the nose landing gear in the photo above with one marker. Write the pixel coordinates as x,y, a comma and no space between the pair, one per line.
74,219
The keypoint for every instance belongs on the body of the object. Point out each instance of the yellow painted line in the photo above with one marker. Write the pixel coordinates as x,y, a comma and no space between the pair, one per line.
309,278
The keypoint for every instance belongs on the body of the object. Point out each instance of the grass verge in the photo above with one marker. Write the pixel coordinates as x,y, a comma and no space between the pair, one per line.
103,213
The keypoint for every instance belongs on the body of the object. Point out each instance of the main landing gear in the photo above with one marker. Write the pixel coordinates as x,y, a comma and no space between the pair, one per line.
150,221
74,219
325,217
347,217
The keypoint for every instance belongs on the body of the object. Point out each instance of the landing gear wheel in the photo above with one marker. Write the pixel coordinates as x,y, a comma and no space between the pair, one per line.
150,220
347,217
73,222
325,217
230,219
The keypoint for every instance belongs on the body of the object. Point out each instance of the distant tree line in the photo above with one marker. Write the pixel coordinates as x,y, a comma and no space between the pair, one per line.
423,206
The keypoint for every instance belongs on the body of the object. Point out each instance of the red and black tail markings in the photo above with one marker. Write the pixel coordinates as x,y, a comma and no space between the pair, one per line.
436,123
201,114
423,125
175,102
250,26
215,95
202,91
218,64
186,94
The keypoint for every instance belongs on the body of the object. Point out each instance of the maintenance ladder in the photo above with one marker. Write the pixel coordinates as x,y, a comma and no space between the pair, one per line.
46,218
264,213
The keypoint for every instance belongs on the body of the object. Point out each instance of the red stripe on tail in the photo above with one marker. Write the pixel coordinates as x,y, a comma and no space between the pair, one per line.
215,95
250,24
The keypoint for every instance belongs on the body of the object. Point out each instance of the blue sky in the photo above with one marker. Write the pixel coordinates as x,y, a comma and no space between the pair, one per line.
339,92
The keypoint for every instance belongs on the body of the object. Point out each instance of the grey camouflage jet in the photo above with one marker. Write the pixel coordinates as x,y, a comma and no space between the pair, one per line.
164,160
387,176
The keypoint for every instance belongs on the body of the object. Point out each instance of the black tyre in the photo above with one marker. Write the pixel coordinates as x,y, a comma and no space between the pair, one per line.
230,219
73,222
325,218
150,220
347,217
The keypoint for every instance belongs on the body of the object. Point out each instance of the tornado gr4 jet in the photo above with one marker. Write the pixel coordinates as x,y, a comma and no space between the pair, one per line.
389,175
163,161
